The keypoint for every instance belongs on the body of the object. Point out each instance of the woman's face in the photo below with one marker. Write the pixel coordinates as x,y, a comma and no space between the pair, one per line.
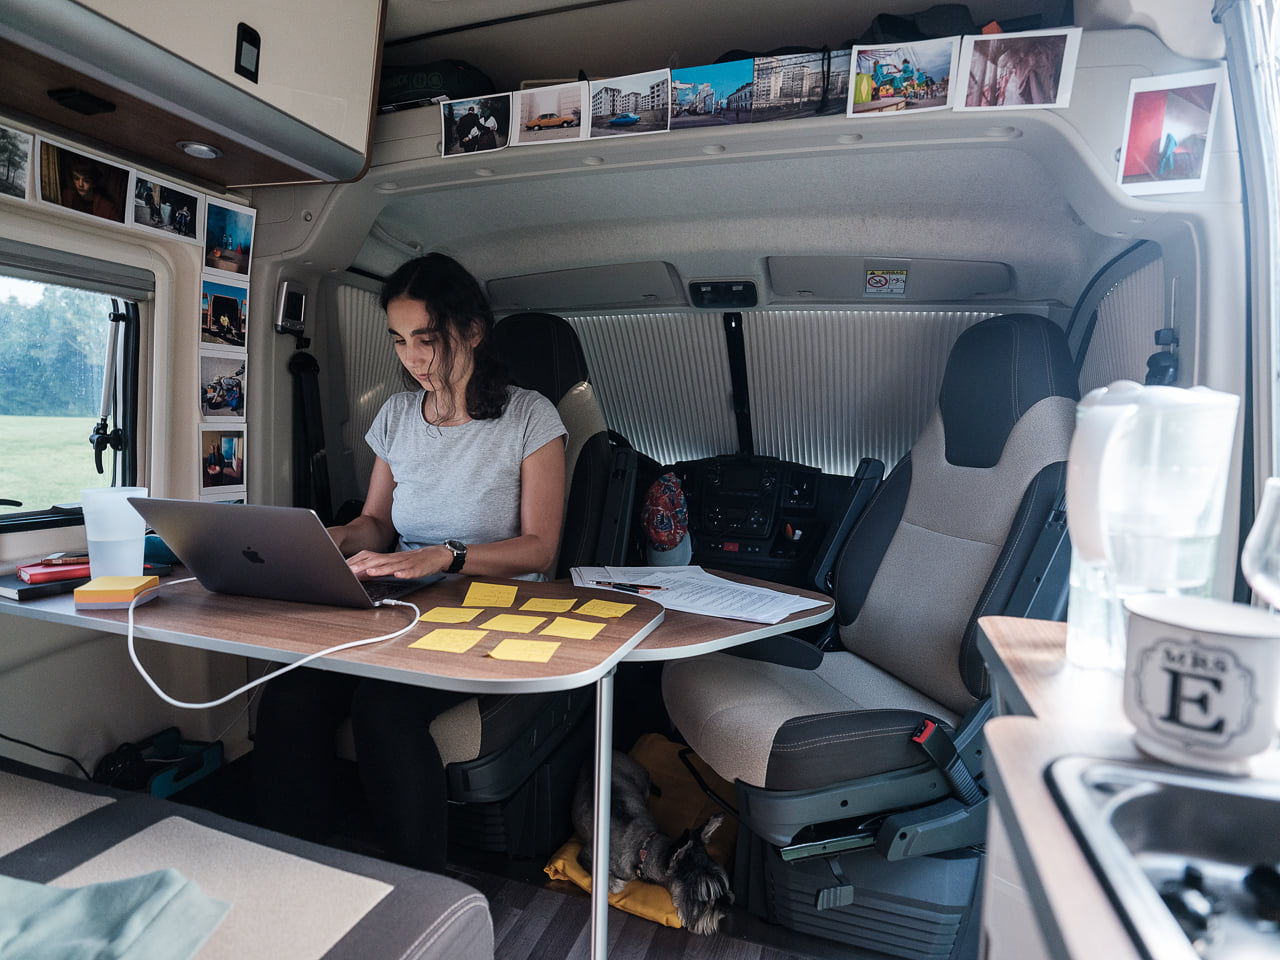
418,345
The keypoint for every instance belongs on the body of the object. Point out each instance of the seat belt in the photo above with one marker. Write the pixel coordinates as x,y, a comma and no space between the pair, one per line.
310,459
934,740
1041,590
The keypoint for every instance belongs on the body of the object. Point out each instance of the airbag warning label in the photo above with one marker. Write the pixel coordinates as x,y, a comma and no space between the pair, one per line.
886,283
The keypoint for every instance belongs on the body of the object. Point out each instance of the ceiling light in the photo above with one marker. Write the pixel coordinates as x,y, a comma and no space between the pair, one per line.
201,151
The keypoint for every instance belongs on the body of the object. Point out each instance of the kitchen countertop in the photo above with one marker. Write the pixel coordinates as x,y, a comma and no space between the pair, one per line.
1056,709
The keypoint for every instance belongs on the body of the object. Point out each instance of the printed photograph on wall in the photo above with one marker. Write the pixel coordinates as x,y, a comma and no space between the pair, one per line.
713,95
1166,132
161,206
902,77
228,237
222,385
623,106
221,459
475,125
224,313
1015,71
15,162
549,114
800,85
85,184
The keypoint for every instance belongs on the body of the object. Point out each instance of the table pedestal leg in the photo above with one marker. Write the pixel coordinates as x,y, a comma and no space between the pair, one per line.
603,798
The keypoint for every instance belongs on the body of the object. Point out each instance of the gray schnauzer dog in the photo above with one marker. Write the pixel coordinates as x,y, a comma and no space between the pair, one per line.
698,885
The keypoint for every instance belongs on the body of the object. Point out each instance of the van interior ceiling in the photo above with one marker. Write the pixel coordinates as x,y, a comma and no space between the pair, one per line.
717,286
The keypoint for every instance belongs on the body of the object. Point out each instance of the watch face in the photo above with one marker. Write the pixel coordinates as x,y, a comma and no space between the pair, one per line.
457,546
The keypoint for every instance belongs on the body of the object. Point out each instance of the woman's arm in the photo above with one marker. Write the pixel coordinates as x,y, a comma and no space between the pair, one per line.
542,483
372,530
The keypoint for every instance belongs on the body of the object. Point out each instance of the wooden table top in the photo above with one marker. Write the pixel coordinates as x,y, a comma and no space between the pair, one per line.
187,614
690,635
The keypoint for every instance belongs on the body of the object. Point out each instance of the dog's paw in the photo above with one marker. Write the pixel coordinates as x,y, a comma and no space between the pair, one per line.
617,885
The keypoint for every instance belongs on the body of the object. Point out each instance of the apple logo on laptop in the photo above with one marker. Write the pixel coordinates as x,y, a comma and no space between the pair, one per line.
252,555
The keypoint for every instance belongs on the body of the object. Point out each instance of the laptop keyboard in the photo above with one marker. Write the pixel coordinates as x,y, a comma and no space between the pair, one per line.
391,588
386,589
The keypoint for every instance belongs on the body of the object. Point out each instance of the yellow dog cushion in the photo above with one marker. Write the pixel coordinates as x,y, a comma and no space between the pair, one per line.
677,805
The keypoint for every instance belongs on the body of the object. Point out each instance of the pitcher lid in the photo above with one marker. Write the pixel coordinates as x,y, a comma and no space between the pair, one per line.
1129,391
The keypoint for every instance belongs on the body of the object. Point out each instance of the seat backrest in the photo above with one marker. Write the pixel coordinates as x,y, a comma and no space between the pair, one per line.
543,353
947,534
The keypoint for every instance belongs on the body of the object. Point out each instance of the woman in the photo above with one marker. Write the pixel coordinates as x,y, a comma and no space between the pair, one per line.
469,478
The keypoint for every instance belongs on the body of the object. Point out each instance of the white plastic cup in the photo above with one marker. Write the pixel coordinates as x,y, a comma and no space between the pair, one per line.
1201,680
115,531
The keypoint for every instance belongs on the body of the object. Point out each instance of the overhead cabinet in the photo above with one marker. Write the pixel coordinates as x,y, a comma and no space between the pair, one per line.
283,92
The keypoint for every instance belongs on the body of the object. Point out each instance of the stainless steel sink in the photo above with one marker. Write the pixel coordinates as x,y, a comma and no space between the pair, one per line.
1166,842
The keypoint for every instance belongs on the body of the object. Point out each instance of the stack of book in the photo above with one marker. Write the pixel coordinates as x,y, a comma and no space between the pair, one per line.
43,579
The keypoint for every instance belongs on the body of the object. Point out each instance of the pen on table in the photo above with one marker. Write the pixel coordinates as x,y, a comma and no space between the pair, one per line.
629,587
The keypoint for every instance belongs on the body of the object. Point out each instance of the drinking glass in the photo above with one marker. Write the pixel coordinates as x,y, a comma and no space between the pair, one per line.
1260,558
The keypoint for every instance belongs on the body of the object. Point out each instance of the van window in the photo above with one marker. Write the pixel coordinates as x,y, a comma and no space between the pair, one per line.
54,343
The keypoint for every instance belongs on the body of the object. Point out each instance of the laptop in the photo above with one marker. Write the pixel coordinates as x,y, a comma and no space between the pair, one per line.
279,553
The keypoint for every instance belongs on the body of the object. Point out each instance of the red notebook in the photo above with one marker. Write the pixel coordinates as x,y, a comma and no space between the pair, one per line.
48,572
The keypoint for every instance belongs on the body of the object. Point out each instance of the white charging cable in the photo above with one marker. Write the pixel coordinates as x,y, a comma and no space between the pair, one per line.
274,673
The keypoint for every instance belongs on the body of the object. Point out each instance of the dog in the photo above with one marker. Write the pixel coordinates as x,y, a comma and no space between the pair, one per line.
638,850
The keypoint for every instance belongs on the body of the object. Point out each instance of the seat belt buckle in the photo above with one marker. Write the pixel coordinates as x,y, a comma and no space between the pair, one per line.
939,748
924,731
942,751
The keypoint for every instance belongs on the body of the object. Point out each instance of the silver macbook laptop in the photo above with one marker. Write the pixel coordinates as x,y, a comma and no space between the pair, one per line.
280,553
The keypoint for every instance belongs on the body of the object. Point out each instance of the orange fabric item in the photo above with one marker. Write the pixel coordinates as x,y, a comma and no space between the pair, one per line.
680,805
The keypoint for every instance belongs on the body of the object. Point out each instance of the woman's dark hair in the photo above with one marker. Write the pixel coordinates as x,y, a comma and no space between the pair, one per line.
457,308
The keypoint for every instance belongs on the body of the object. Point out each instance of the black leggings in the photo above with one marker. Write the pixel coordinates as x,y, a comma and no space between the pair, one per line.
295,764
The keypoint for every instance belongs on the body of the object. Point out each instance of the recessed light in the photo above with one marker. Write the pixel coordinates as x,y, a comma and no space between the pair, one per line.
201,151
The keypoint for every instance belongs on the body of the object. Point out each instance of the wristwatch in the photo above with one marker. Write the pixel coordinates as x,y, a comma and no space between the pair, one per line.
459,551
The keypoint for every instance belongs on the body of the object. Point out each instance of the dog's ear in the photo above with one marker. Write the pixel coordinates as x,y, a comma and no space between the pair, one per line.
684,843
707,829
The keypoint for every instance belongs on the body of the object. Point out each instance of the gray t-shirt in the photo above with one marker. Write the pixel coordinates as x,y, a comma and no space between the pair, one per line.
464,481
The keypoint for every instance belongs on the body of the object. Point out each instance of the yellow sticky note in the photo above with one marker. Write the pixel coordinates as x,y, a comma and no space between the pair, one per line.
604,608
449,615
528,651
449,641
573,629
489,595
549,604
512,623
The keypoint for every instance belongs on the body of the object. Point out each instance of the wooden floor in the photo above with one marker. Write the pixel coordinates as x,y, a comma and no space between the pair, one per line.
535,918
544,922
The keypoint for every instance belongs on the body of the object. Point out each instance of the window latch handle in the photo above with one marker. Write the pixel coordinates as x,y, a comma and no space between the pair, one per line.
101,438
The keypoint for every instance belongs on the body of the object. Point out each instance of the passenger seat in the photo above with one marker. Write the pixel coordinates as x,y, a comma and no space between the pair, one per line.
513,760
825,749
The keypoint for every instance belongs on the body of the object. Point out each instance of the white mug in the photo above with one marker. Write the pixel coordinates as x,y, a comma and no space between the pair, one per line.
1200,681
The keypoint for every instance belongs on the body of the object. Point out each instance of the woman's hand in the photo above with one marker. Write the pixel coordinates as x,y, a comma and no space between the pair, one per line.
406,564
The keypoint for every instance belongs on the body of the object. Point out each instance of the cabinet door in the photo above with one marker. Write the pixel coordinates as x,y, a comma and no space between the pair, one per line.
317,60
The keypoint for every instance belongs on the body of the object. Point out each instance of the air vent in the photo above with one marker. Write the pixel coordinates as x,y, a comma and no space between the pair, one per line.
81,101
